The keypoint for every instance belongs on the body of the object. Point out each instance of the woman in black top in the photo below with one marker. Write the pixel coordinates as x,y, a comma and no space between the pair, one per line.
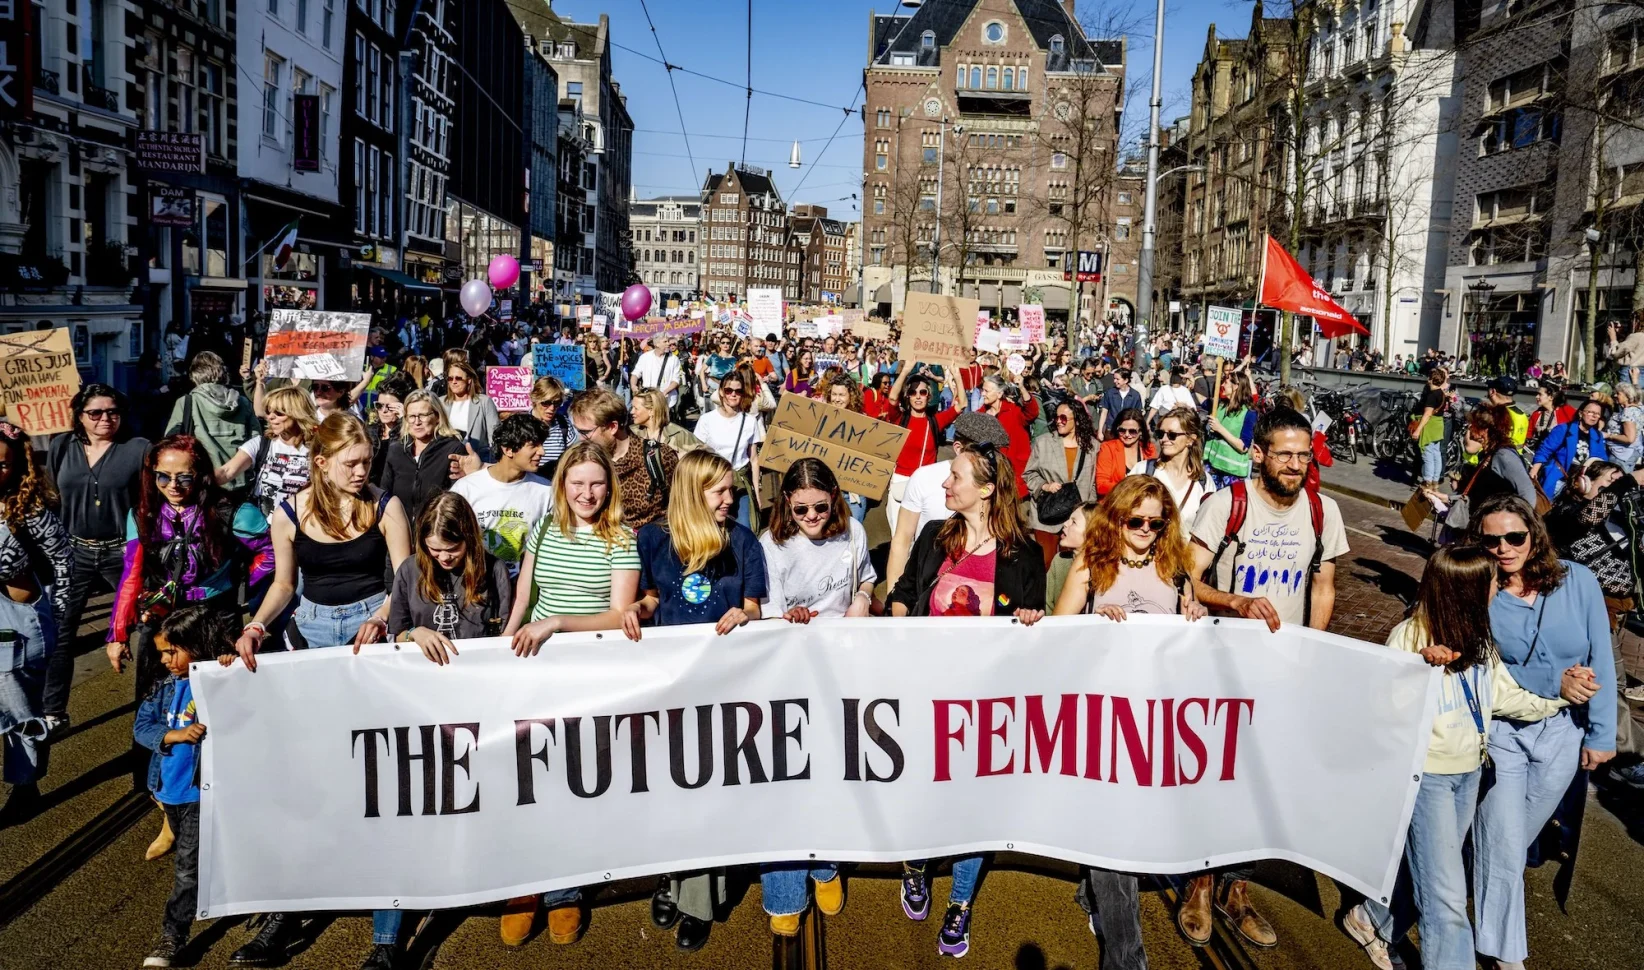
417,466
96,468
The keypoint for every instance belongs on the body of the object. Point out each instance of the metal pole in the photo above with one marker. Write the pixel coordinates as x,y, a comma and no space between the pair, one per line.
936,240
1144,275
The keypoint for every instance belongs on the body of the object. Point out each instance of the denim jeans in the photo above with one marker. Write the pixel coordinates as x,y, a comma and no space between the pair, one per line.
1115,908
858,506
333,626
966,870
93,559
1437,875
783,885
1532,764
555,898
30,638
385,926
185,878
1432,461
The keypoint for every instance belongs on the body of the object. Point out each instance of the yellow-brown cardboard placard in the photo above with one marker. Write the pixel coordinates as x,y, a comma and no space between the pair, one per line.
38,380
938,329
860,450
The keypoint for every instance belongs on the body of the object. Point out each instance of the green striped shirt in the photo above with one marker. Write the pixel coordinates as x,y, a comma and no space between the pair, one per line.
572,577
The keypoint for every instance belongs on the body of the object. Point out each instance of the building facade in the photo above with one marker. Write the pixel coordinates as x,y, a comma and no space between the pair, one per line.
745,238
821,244
426,154
988,150
488,192
665,244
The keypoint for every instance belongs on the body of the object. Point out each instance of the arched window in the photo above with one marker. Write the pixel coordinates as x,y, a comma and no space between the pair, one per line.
1021,79
1057,44
927,40
976,78
962,72
993,79
1010,80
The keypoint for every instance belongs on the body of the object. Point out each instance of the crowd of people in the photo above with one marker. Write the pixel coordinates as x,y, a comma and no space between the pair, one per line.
1113,480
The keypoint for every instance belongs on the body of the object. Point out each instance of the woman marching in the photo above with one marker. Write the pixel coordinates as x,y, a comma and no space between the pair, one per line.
1135,558
1230,431
418,465
816,564
650,422
1063,458
1180,465
333,537
467,408
978,562
549,404
697,566
733,430
845,393
1129,448
919,409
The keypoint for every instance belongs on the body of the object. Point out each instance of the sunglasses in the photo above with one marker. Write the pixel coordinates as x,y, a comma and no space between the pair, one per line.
1172,436
1130,431
164,479
730,390
919,392
805,511
1493,542
1063,418
98,414
1137,523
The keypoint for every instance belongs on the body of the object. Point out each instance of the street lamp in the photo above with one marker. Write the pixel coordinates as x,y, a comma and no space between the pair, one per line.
1144,273
1481,289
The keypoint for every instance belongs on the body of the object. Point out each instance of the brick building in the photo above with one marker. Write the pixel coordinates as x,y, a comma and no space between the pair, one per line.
745,238
990,129
822,244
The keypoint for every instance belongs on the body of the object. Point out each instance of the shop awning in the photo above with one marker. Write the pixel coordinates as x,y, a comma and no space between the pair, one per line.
1053,296
400,279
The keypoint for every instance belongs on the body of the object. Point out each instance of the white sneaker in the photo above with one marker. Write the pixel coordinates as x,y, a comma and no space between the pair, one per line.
1363,931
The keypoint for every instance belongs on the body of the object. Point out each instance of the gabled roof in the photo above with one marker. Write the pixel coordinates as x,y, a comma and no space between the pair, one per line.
944,18
752,183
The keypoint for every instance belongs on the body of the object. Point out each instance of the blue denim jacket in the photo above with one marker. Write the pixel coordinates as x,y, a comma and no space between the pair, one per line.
150,727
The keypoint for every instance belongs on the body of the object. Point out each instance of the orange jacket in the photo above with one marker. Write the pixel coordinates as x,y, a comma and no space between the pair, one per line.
1110,464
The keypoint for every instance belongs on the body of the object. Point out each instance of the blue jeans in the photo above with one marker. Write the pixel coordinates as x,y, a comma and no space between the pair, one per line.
555,898
858,506
30,632
333,626
784,888
1437,883
966,870
1533,764
1432,461
385,926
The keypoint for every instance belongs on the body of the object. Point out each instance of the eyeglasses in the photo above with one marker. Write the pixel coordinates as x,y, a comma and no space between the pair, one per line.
1291,457
420,416
1172,436
1137,523
1130,432
585,432
98,414
806,511
164,479
1493,542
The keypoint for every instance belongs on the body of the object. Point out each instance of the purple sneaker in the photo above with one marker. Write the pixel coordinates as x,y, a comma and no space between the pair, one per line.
954,940
915,895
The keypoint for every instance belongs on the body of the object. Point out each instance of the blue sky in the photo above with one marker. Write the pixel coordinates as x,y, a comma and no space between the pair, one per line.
812,49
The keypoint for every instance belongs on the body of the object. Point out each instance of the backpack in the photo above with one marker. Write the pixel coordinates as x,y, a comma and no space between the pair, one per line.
1235,522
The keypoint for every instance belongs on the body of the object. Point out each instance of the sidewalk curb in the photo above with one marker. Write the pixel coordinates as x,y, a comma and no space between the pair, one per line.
1363,496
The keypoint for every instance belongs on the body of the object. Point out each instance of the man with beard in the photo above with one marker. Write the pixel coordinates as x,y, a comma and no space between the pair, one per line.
1277,565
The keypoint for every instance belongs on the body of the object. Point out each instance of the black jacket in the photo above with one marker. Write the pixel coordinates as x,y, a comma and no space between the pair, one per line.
1018,579
413,482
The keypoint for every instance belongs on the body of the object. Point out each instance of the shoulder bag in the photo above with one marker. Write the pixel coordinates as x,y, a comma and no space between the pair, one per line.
1057,507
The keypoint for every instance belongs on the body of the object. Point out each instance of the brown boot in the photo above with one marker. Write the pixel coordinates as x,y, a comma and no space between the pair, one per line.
565,923
163,842
1233,902
519,915
1193,916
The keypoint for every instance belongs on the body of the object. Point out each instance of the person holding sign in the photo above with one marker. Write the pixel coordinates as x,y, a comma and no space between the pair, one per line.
919,409
697,566
277,459
1231,428
1016,410
977,562
733,431
467,409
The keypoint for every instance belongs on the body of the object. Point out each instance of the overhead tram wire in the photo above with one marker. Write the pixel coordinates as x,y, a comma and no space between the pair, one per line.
719,80
747,107
657,39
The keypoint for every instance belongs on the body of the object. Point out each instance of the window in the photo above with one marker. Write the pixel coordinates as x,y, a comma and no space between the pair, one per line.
302,16
927,40
976,78
370,198
993,78
1521,87
359,186
373,92
1121,229
1125,198
902,60
328,20
1057,44
994,33
359,74
211,100
274,8
385,117
1520,128
328,97
882,118
1058,160
385,195
272,66
1009,81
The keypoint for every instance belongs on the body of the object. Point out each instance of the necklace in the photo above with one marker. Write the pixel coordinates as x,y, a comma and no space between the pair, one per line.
1143,562
91,472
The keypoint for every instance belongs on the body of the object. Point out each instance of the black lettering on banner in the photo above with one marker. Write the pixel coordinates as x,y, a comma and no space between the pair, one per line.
704,745
780,735
372,809
853,739
450,762
602,756
427,755
746,748
523,756
882,738
636,745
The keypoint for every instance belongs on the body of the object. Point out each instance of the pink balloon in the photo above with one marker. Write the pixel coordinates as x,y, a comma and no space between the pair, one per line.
636,300
503,271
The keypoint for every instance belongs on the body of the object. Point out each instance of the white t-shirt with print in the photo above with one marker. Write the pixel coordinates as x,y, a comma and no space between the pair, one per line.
285,469
507,511
822,576
1278,547
658,372
730,436
1168,397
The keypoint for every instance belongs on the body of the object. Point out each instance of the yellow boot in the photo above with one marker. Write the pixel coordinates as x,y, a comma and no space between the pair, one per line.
163,842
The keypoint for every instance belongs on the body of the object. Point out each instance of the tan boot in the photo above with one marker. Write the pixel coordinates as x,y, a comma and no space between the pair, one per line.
518,915
565,923
1233,902
163,842
785,925
1193,916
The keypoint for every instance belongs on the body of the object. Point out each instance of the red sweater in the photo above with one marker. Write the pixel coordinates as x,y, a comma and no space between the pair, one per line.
919,449
1017,421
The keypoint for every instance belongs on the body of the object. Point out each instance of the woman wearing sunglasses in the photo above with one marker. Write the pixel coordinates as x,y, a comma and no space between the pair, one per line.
1180,465
977,562
733,431
1064,457
816,564
919,409
1135,557
467,408
1548,616
548,405
1129,447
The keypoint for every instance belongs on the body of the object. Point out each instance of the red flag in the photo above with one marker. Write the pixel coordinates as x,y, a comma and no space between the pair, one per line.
1287,286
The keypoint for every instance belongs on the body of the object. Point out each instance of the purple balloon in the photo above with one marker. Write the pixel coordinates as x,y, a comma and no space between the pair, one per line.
503,271
636,300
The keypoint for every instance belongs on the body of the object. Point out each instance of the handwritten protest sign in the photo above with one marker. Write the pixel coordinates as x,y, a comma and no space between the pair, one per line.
38,380
987,340
1221,332
861,451
509,388
938,329
654,326
319,345
1032,318
851,319
871,328
563,362
1012,339
765,306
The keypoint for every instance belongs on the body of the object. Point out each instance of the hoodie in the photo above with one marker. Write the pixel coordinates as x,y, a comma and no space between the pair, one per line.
221,418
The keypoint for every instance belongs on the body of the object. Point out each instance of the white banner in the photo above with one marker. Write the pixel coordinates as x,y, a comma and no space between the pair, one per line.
340,782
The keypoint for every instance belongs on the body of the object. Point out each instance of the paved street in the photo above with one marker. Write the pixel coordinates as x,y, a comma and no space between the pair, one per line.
104,910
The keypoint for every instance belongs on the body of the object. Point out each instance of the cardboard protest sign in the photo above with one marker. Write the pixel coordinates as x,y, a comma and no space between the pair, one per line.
316,345
509,388
828,326
564,362
1221,332
938,329
860,450
851,319
871,328
1031,316
38,380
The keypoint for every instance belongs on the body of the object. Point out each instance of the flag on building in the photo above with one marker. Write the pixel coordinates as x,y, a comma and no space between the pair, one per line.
283,245
1286,286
